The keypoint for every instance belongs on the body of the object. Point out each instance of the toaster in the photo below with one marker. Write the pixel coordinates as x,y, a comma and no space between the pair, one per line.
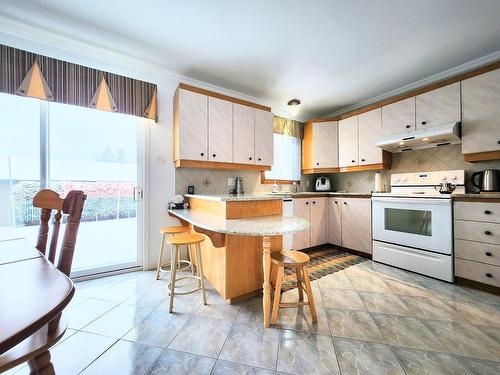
322,183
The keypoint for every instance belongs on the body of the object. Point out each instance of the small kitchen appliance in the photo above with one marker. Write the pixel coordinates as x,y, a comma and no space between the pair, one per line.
177,203
487,181
412,225
323,184
238,186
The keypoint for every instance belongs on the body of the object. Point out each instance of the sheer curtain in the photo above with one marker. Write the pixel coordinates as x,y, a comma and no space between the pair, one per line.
287,154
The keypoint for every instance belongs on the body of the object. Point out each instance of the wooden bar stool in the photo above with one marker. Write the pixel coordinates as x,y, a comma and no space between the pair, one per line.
173,231
299,261
186,240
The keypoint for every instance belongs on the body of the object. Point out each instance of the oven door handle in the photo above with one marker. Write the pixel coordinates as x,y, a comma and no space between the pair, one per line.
435,201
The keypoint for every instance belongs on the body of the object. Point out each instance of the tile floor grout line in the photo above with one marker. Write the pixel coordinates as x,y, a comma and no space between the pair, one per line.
100,355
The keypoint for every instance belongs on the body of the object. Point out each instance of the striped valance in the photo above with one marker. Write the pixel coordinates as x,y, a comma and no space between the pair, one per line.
29,74
285,126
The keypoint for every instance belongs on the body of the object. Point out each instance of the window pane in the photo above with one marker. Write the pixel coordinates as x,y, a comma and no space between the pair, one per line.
287,154
96,152
19,166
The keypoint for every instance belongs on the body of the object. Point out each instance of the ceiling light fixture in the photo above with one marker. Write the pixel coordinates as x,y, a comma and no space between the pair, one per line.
294,102
425,139
401,143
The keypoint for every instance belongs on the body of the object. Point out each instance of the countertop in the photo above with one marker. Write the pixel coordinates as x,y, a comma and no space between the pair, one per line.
274,225
271,196
474,196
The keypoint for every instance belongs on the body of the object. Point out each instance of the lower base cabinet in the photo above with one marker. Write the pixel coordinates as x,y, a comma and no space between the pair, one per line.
477,241
341,221
314,210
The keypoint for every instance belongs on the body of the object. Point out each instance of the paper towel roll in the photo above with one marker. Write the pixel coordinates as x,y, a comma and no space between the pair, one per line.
378,182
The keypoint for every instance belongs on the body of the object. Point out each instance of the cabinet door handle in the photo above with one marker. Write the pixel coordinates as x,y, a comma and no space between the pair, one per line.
498,142
260,159
487,212
213,155
317,163
489,275
250,158
335,202
488,254
202,154
487,232
408,126
345,203
363,160
307,202
424,122
354,161
314,202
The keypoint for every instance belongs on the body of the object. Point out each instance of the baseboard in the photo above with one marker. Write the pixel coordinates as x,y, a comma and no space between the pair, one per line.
477,285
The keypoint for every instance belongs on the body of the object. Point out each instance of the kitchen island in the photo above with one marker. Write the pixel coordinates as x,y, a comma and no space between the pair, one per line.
241,234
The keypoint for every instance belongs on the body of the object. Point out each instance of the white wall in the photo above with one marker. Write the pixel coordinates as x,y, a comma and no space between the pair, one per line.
160,176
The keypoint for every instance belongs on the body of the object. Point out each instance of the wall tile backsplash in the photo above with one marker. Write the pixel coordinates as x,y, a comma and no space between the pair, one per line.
434,159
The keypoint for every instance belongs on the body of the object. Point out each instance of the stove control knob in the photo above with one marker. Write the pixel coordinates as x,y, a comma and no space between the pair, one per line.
454,178
444,179
405,179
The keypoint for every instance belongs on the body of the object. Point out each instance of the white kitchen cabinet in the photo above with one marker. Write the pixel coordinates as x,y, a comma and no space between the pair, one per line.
318,209
481,113
334,221
325,145
438,107
369,131
399,117
243,134
302,239
348,142
220,130
356,224
264,143
192,125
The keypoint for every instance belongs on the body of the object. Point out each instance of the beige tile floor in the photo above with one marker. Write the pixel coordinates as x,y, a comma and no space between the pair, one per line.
373,319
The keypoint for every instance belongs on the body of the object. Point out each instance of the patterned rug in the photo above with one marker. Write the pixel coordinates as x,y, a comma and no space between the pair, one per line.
324,261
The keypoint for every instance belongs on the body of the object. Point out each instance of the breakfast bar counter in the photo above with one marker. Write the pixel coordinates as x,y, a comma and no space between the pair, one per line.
240,238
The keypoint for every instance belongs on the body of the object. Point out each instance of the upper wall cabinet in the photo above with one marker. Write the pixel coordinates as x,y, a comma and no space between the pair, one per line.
398,117
438,107
320,147
244,134
481,113
220,130
369,130
348,142
192,135
216,131
264,142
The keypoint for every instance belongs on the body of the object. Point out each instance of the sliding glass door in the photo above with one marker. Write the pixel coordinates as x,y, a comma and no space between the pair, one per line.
65,148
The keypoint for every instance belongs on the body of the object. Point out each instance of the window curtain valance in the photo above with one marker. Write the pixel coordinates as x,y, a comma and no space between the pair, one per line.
29,74
285,126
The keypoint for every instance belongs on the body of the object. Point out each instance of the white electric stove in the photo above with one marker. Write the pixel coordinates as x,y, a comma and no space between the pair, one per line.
412,225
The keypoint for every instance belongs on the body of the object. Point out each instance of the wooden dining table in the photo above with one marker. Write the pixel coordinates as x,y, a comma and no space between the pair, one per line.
32,293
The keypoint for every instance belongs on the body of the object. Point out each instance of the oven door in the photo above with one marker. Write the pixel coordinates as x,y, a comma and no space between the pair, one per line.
423,223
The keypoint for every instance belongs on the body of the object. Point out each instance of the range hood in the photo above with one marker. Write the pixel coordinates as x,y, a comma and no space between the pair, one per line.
437,136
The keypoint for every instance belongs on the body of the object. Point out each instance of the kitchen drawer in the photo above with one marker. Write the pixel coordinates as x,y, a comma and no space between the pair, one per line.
477,231
483,273
478,211
478,252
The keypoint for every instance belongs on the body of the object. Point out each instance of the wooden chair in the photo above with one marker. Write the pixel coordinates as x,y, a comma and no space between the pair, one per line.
35,349
299,261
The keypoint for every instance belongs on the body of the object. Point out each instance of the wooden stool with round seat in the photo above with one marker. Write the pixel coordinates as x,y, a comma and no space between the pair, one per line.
188,240
172,231
299,261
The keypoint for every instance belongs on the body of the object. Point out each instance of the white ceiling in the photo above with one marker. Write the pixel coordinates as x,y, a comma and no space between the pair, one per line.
328,53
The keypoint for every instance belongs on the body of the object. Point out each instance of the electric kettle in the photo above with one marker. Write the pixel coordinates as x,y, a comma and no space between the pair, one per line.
487,180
